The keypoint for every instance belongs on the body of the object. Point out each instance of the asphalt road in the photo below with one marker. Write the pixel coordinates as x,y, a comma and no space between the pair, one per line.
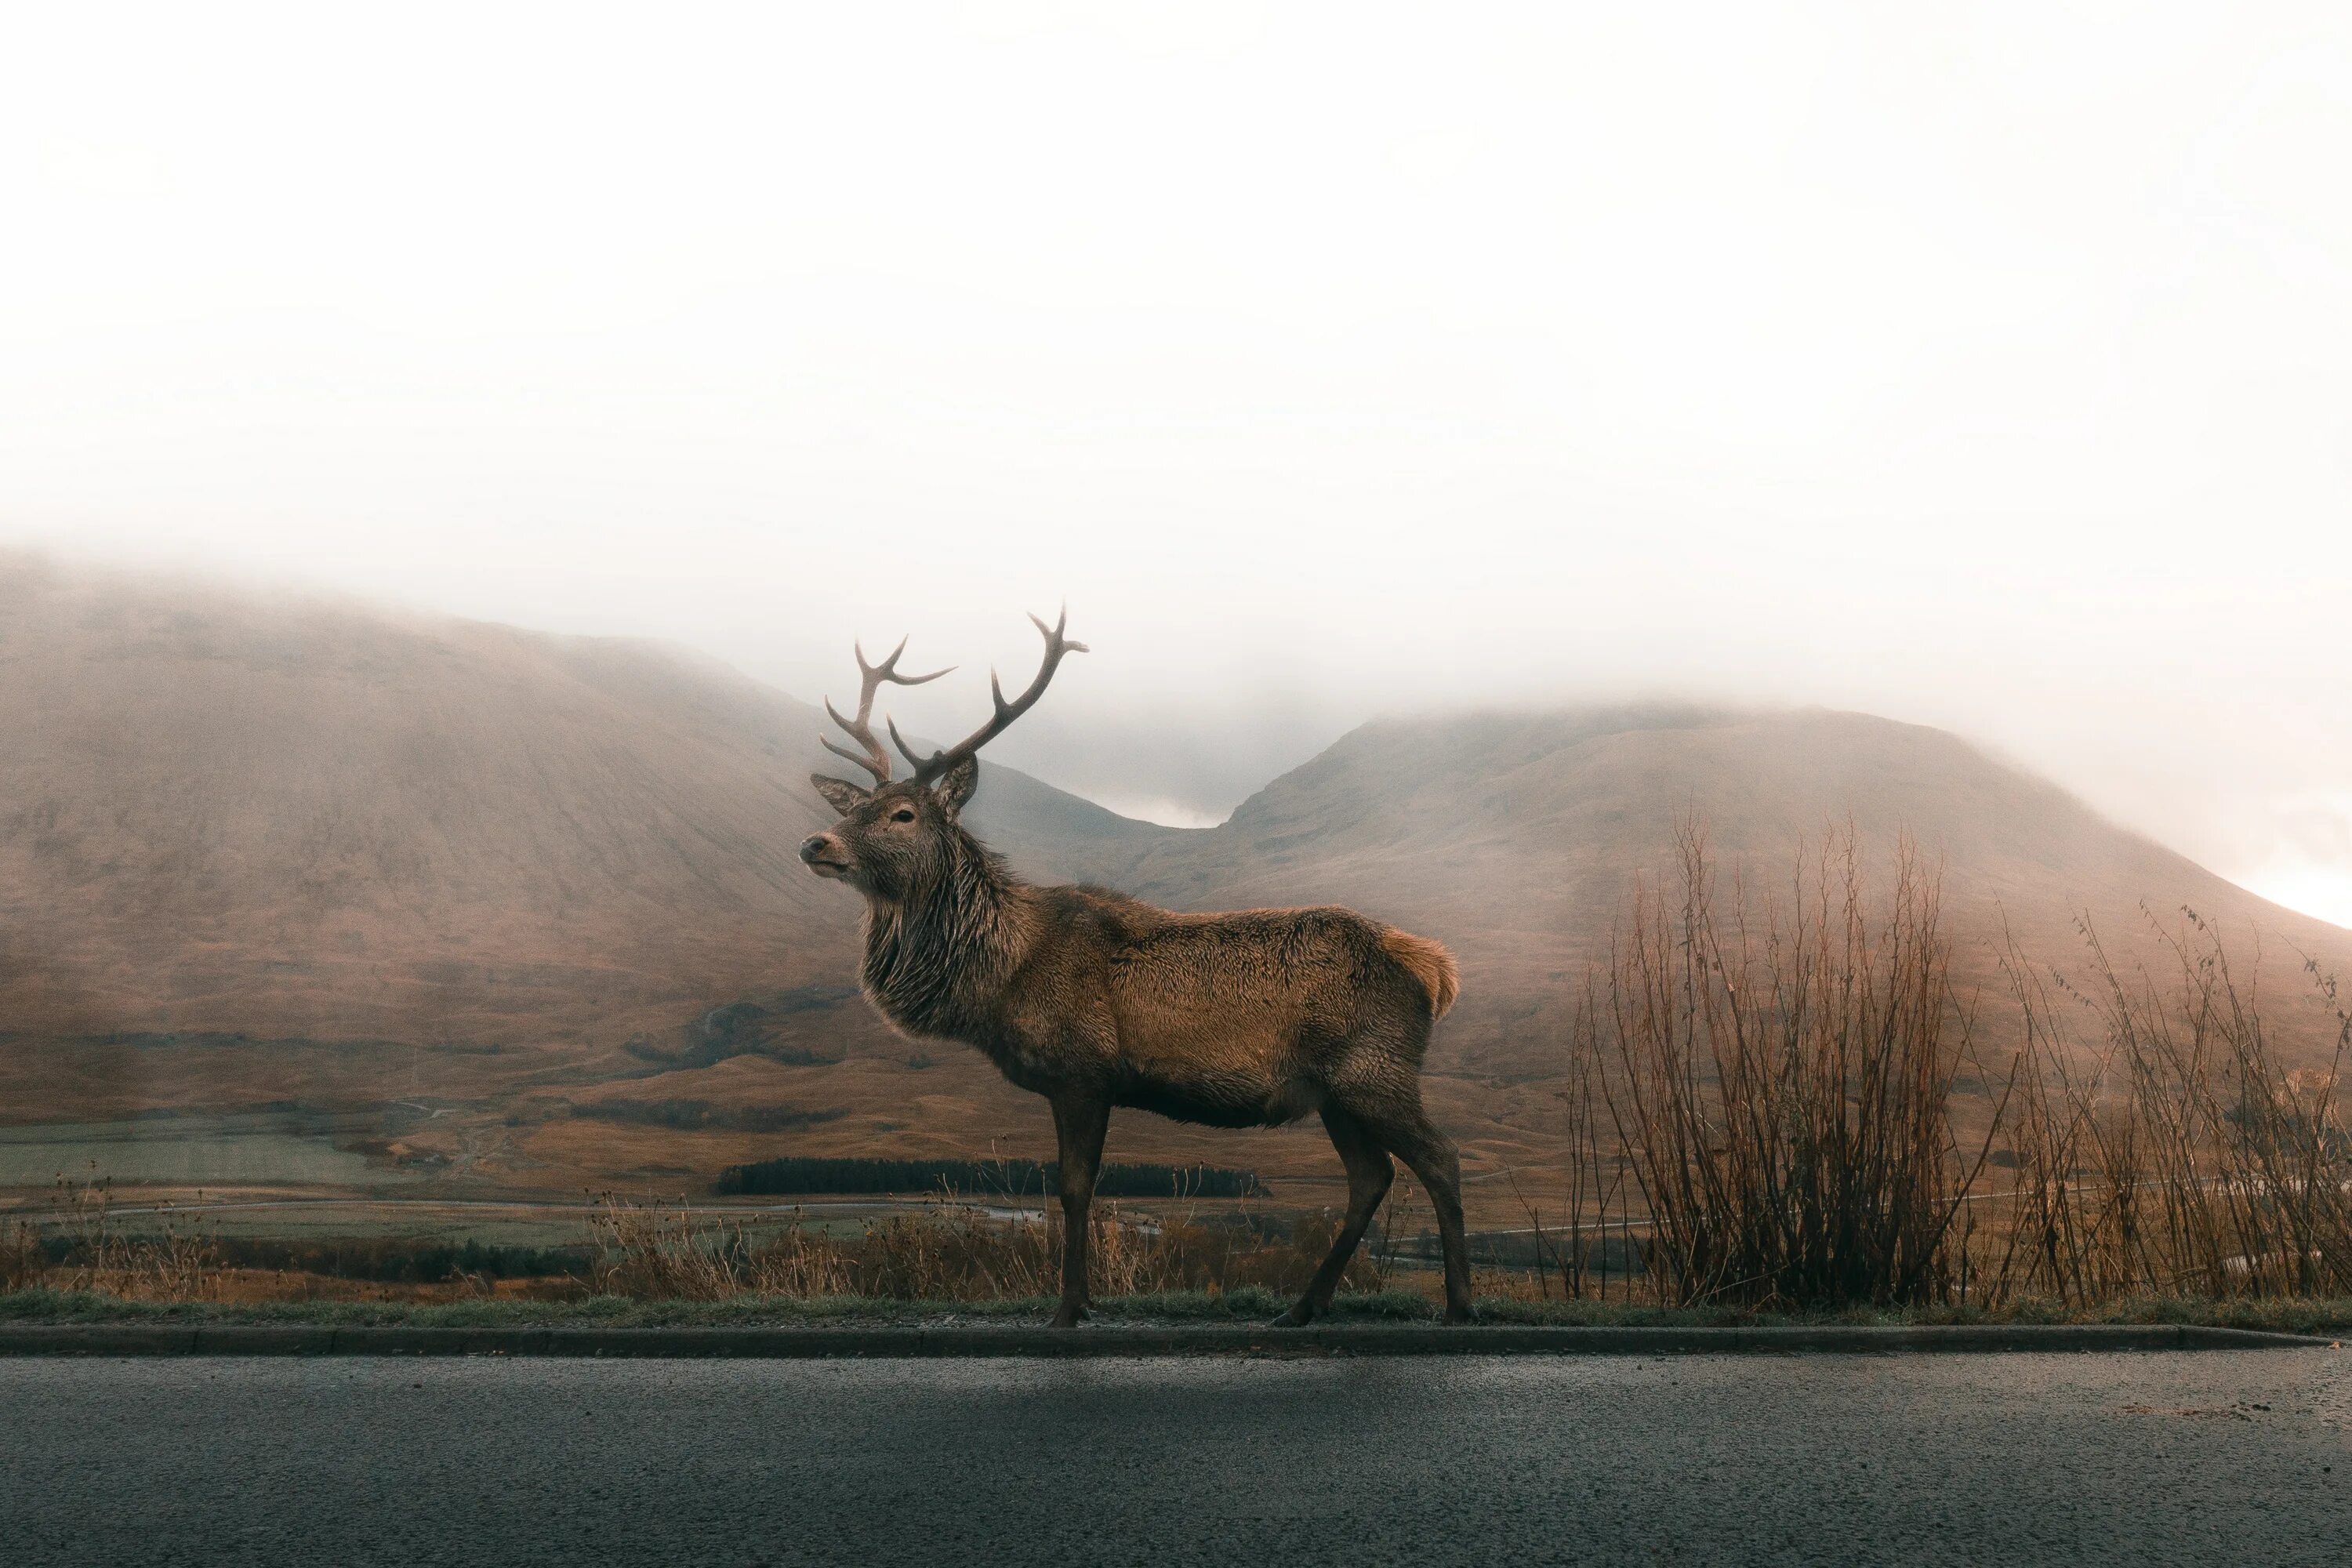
2240,1456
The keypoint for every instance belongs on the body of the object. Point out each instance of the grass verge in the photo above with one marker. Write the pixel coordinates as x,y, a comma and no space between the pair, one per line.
1245,1306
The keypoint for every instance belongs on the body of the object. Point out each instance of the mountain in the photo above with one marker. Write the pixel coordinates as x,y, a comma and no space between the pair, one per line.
1516,839
541,892
222,815
255,852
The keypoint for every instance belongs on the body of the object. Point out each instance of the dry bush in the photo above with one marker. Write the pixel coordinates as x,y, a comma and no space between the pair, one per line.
2180,1156
181,1265
1780,1075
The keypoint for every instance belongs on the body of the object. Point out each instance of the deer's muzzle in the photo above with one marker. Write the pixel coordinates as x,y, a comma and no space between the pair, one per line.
822,853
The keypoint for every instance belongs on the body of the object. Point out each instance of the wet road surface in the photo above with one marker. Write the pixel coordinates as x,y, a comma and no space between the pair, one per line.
2155,1458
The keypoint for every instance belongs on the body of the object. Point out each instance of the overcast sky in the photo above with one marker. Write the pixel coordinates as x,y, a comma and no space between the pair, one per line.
1982,366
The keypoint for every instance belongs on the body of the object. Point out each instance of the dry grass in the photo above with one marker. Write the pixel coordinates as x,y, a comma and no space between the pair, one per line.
949,1250
181,1265
23,1261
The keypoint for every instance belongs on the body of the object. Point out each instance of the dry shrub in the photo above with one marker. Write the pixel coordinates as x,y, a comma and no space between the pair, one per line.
1393,1225
1780,1074
2178,1154
23,1261
181,1265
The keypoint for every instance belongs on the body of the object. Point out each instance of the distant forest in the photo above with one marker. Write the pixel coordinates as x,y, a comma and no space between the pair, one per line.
981,1178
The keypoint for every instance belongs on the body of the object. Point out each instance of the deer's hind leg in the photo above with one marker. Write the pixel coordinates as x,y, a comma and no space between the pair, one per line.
1385,1102
1369,1171
1378,1084
1430,1156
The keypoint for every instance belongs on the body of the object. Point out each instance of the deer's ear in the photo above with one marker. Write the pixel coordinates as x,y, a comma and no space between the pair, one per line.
840,793
956,786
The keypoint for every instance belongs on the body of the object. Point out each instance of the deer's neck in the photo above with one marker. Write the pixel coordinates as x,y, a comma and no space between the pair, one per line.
937,959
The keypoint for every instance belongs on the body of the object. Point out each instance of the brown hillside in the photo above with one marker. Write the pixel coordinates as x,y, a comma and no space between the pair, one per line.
222,814
255,852
1516,838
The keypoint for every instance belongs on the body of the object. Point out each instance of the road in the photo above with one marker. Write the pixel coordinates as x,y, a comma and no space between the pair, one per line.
2191,1458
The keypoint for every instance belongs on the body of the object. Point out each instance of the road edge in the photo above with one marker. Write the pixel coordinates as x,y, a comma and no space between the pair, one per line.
981,1341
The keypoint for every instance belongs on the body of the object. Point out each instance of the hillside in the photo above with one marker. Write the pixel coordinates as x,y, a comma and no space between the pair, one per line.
220,815
255,852
1516,838
527,908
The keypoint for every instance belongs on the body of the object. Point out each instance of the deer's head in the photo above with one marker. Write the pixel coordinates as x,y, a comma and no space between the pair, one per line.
899,835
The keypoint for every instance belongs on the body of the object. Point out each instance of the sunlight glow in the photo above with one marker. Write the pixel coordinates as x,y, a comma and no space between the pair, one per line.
2322,892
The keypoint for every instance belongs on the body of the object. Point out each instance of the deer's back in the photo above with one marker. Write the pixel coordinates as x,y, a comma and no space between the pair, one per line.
1244,1017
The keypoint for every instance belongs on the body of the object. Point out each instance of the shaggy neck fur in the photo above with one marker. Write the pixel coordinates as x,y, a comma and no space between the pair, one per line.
937,957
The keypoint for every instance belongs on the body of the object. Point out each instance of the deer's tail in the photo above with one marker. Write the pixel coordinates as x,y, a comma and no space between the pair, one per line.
1427,962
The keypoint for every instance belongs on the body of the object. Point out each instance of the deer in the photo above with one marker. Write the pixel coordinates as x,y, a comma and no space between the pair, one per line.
1095,1000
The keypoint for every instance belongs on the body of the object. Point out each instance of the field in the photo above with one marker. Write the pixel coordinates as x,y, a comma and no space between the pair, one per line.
176,1153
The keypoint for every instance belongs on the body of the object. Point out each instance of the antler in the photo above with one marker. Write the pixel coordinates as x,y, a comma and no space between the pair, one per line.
1056,644
875,761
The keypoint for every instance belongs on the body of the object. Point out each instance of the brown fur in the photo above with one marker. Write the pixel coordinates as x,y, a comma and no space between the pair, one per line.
1094,999
1430,964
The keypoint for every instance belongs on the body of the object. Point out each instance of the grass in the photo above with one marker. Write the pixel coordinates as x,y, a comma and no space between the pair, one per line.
949,1251
1250,1305
189,1155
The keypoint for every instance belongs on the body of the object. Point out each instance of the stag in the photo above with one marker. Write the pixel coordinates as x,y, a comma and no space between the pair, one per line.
1095,1000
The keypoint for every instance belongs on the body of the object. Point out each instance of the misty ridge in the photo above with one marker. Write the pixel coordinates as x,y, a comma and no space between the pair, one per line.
550,881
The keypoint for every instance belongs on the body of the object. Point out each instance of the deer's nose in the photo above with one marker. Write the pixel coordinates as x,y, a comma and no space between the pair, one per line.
815,844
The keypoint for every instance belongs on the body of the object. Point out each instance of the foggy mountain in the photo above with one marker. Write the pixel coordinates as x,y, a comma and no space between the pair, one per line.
254,853
225,815
1518,839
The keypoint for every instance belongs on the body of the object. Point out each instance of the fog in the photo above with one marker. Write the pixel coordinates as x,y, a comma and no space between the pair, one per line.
1980,367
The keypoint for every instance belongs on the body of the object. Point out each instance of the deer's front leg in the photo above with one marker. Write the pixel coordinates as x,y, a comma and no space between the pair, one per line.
1079,1122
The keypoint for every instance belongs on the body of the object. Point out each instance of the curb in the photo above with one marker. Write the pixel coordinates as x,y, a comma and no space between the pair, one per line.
1115,1340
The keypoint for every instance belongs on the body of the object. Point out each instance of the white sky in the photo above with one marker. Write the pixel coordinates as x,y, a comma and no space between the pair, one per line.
1982,366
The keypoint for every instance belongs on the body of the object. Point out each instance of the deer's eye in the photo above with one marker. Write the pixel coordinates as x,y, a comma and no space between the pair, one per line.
902,815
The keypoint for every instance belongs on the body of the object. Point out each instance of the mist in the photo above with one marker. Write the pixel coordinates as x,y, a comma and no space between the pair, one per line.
1983,370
